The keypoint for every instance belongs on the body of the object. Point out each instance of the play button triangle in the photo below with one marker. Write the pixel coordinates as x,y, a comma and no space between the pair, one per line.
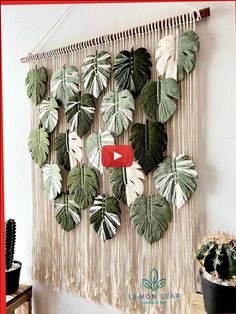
117,156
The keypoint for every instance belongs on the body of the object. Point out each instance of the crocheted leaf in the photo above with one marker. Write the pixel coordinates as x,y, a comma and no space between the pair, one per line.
83,185
36,80
158,99
105,217
116,109
51,180
38,145
148,142
132,69
176,55
176,179
150,217
96,71
48,114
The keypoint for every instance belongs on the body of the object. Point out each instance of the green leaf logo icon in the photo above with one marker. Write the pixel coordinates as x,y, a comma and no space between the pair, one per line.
153,283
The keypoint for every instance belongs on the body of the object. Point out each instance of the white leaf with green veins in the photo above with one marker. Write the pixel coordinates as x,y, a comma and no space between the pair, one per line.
48,114
51,180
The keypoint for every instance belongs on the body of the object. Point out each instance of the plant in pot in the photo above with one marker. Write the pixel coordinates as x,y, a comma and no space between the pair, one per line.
13,268
217,256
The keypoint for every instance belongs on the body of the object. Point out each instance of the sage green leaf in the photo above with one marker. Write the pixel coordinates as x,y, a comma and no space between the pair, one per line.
116,109
64,84
132,70
36,80
158,99
51,180
94,144
96,71
176,55
67,212
79,113
127,183
176,179
83,185
69,149
148,142
105,216
48,114
150,217
38,145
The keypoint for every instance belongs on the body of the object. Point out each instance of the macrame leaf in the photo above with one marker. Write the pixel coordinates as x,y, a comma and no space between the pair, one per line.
176,179
158,99
38,145
176,55
64,84
150,217
36,80
51,180
75,149
127,183
67,211
105,216
96,71
94,145
69,149
79,113
83,185
116,109
132,70
62,149
148,142
48,114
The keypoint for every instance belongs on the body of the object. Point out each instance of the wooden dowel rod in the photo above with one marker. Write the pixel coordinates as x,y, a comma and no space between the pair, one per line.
113,37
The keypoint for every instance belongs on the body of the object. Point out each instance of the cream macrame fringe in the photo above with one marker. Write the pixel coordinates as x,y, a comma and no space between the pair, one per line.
79,261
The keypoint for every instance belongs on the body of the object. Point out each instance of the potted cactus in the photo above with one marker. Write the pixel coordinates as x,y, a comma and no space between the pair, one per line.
13,268
217,257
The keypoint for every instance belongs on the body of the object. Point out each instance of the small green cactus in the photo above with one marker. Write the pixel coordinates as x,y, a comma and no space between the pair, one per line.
217,255
10,239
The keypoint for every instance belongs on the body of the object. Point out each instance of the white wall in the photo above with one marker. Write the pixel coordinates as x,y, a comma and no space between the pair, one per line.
23,28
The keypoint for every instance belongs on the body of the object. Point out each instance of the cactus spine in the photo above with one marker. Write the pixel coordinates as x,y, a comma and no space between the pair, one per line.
10,239
217,255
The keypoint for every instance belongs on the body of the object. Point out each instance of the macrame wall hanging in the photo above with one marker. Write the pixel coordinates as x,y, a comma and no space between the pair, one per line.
98,232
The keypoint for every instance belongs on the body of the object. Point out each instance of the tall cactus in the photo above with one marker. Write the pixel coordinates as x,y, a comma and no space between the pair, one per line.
217,254
10,239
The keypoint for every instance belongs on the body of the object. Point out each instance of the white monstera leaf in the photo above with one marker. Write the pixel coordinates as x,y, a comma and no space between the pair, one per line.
176,55
94,145
175,178
127,183
96,71
51,180
48,114
75,149
64,84
116,109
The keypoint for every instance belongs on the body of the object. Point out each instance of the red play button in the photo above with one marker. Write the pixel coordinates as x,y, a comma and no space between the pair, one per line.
117,156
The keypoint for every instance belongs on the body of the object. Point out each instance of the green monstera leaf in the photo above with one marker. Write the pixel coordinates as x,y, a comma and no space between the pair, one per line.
83,185
69,148
38,145
132,70
105,217
36,80
51,180
150,217
116,109
96,71
79,113
127,183
67,212
48,114
94,145
176,55
64,84
158,99
148,142
176,179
